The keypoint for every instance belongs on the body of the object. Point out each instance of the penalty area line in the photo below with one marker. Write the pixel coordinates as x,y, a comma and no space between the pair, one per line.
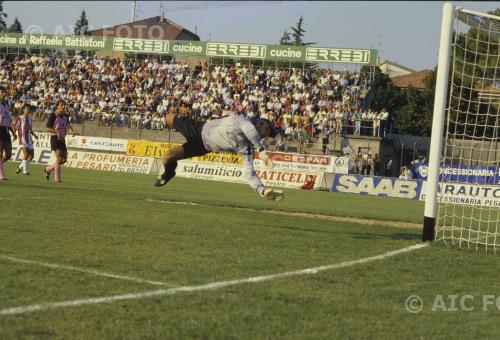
86,271
205,287
357,220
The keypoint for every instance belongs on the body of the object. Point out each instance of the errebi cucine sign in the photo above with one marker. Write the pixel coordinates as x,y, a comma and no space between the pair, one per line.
287,53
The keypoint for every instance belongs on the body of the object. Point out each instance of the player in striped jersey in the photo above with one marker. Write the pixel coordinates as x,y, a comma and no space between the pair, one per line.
58,125
24,127
5,127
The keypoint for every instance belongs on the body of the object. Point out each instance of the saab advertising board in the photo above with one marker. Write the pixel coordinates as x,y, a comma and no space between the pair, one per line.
377,186
452,193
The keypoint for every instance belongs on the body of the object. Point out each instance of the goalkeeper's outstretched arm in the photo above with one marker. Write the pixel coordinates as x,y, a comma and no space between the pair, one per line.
254,181
249,173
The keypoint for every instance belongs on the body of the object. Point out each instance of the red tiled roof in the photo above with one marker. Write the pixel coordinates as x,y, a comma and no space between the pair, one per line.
415,80
150,28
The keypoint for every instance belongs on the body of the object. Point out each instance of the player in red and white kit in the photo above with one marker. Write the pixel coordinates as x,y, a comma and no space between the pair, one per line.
23,125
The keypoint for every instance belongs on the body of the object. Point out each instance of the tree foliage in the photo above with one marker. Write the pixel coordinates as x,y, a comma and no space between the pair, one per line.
411,109
82,25
415,116
15,27
285,39
3,16
475,68
386,94
295,38
298,33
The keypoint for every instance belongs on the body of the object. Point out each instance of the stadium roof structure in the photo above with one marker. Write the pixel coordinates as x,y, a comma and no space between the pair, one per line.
393,69
157,27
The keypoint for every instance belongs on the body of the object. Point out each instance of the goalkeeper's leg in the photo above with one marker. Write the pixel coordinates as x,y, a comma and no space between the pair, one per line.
191,130
170,159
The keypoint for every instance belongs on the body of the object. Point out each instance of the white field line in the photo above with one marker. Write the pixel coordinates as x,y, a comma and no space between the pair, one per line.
209,286
83,270
363,221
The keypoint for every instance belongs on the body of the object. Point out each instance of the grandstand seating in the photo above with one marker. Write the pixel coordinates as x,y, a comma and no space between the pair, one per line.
135,94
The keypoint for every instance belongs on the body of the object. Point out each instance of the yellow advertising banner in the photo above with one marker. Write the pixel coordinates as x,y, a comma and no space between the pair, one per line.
226,158
157,149
148,149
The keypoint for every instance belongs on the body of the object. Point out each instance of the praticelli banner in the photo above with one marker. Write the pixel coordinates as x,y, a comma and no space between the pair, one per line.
288,178
109,162
234,174
286,53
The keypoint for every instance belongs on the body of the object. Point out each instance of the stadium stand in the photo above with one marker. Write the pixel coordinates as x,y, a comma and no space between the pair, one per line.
306,104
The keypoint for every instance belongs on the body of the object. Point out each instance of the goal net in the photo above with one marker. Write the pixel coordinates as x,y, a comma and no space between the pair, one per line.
467,198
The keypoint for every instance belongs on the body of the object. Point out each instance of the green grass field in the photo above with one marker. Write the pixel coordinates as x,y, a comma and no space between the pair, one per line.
166,245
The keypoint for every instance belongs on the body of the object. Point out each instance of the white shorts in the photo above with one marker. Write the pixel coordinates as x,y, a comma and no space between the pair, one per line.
26,142
27,145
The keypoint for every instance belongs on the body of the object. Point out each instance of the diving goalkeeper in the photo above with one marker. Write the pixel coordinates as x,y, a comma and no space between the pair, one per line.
235,134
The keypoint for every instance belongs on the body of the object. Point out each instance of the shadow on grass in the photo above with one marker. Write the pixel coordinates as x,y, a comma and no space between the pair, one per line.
392,236
410,235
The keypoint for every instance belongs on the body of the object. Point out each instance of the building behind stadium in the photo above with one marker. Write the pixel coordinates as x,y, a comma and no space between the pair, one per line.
157,27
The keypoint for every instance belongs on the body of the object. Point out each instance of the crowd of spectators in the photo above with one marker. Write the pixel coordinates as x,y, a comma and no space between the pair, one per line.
304,103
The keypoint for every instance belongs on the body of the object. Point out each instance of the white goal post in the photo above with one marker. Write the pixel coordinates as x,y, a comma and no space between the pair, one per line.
462,205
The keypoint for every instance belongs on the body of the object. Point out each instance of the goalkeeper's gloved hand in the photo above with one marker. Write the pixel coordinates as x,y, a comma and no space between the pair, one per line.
272,194
265,158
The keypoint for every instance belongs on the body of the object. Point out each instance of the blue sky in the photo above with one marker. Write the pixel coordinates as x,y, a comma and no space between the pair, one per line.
406,32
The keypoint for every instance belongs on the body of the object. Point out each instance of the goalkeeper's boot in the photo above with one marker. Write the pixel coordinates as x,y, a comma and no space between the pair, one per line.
163,178
273,194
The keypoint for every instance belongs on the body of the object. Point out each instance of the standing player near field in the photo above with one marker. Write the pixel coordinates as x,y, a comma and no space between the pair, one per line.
24,127
235,134
58,125
5,127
